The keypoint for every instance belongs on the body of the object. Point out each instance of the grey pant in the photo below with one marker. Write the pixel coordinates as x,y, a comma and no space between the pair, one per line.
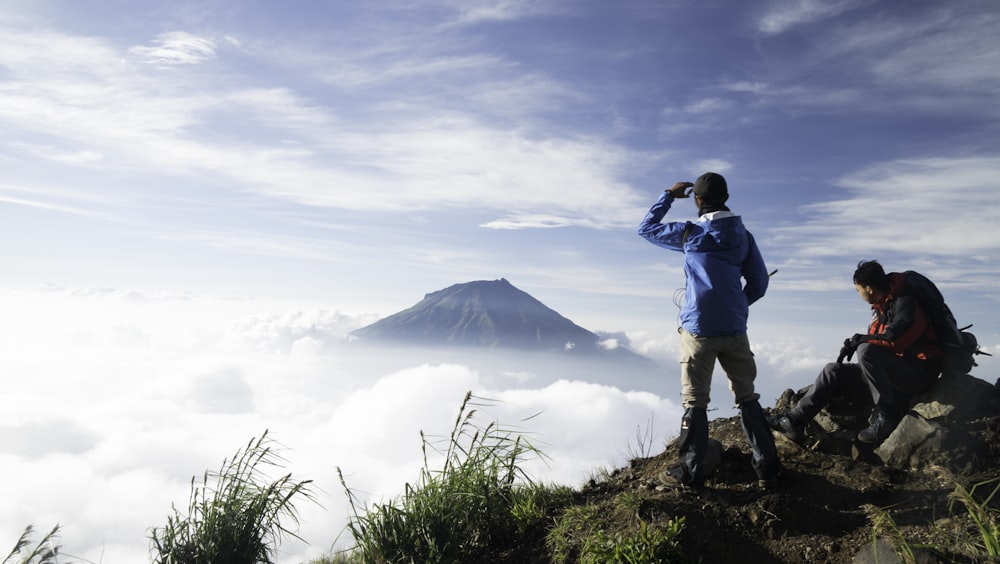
698,356
889,378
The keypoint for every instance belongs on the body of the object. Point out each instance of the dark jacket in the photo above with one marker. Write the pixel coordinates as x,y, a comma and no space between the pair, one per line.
899,323
718,254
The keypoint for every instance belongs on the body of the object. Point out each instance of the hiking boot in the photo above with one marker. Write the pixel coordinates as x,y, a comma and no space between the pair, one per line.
768,472
784,425
880,429
677,479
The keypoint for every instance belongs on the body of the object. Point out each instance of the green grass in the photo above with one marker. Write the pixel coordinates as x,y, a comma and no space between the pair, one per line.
984,517
479,506
980,542
237,515
615,533
45,551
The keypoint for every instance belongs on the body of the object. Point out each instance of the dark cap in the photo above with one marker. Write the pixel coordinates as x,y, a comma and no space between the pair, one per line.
712,187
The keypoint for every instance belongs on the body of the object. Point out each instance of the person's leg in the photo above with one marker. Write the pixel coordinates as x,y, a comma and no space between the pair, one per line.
918,377
692,444
698,357
758,434
890,379
833,380
697,363
877,363
737,360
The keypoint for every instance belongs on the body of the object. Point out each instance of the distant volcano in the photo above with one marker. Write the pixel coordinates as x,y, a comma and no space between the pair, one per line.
491,314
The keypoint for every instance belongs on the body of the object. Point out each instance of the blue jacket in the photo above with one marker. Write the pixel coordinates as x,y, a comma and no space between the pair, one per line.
718,253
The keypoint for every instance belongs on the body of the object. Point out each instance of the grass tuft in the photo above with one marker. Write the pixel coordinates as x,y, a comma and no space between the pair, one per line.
979,542
237,515
616,534
44,552
982,515
480,506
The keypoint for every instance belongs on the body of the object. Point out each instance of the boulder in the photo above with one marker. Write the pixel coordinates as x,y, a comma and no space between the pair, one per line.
914,441
879,552
959,398
935,430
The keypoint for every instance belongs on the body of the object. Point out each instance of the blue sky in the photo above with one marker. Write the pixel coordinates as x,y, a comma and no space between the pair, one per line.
201,179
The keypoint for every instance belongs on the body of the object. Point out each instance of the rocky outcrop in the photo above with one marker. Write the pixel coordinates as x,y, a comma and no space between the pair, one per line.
939,430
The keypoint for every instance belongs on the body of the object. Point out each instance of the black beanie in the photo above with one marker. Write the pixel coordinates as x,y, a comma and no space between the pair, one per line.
711,187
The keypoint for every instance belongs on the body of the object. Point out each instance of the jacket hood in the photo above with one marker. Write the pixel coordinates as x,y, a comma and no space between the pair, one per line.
723,230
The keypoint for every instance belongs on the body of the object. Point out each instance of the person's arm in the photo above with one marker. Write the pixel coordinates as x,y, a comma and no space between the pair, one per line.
906,325
754,272
668,235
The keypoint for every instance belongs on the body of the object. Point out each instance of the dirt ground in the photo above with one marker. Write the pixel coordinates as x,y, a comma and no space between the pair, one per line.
818,512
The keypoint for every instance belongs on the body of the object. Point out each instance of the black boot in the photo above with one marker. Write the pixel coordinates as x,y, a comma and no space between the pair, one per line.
787,426
882,426
692,444
758,435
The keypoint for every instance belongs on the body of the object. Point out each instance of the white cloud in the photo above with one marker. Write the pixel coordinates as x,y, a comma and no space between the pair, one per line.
940,60
708,106
101,434
934,206
746,86
786,14
720,166
478,11
414,155
176,48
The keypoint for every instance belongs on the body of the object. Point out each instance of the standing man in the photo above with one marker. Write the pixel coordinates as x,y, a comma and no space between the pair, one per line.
897,358
719,253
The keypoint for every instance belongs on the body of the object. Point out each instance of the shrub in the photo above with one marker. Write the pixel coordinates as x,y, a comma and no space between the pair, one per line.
239,518
479,507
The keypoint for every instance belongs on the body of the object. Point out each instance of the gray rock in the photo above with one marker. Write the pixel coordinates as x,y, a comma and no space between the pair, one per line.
959,398
912,437
880,552
933,433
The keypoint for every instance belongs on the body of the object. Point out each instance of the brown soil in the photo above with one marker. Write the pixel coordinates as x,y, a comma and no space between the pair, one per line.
817,513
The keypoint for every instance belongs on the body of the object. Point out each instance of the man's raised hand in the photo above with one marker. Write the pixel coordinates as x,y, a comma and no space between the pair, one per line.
680,189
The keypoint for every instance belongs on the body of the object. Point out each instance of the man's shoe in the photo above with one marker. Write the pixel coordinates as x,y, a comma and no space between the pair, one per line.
882,426
676,478
784,425
768,473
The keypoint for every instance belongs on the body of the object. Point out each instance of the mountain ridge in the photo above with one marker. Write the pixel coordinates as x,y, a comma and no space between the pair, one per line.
490,314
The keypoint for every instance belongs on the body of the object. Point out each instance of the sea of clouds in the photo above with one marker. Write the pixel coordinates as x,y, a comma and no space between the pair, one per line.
113,401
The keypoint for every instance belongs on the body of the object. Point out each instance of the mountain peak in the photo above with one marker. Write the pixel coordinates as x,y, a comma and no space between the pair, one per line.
484,313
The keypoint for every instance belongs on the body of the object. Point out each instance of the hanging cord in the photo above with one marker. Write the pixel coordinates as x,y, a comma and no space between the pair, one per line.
679,297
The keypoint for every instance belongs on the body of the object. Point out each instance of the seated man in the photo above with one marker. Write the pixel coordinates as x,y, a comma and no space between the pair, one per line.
896,358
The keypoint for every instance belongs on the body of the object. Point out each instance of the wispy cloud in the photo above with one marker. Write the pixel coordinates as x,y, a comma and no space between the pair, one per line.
425,157
933,207
783,15
507,10
176,48
919,61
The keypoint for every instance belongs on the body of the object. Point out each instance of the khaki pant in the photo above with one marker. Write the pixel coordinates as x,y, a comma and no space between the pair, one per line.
698,356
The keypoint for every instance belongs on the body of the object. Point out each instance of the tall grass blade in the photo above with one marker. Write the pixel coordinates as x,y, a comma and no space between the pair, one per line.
236,515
